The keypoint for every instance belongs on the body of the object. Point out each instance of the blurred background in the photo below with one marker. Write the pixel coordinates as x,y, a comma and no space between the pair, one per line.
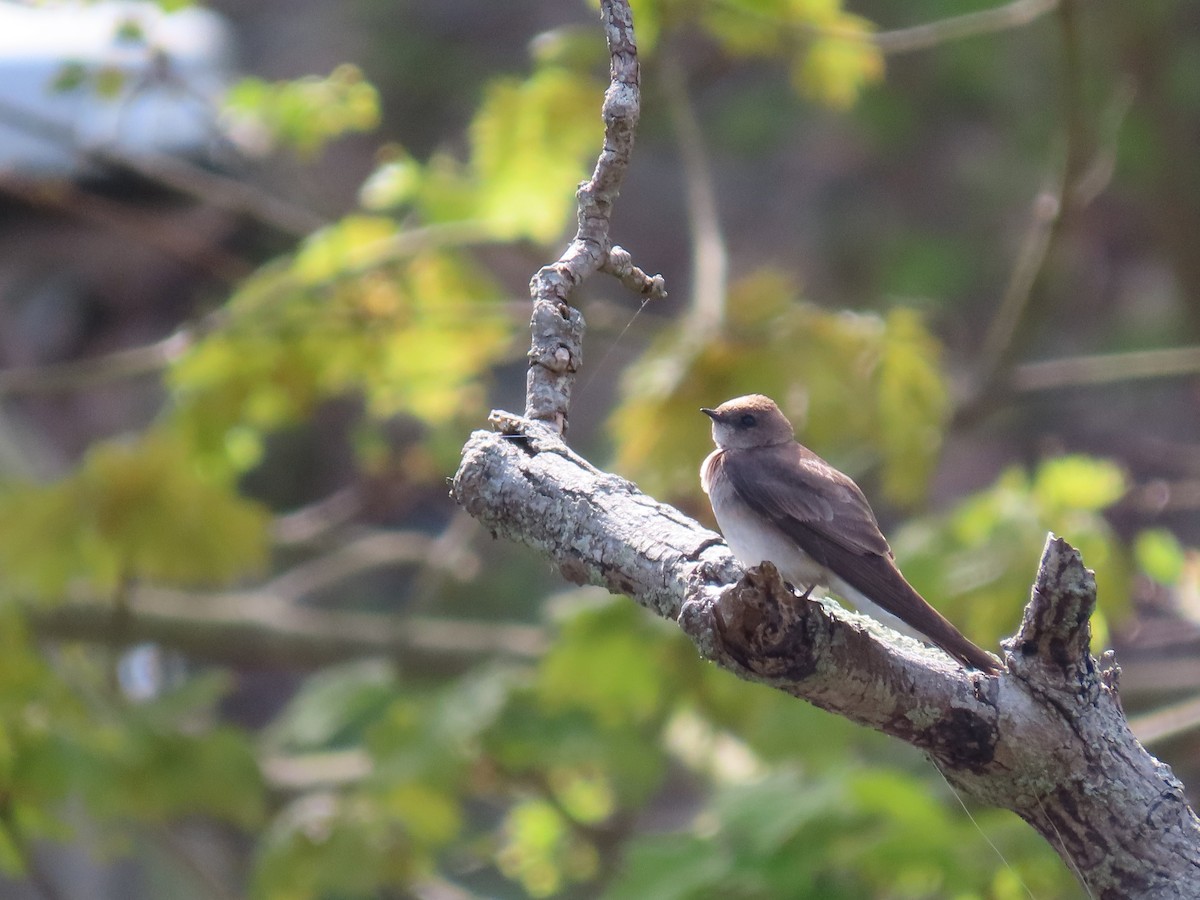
263,267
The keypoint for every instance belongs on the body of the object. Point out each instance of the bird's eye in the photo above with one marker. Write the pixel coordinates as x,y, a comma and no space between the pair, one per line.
748,421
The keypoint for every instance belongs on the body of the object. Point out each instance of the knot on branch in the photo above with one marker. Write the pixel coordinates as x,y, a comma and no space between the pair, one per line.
764,627
555,355
620,265
1056,627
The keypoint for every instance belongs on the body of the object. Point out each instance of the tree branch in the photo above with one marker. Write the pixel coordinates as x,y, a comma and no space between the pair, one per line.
253,628
1047,739
557,348
986,21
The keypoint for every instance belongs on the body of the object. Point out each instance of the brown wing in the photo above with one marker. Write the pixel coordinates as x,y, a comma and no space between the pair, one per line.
826,514
820,508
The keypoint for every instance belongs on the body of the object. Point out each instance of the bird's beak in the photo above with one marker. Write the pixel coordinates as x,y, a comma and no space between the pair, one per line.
711,413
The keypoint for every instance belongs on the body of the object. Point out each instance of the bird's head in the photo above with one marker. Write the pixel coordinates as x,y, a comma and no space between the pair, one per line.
751,421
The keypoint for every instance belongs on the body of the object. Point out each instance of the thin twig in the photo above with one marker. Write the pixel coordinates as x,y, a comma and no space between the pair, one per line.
556,351
1105,368
313,522
986,21
894,42
1031,257
83,374
170,235
303,772
176,848
1051,214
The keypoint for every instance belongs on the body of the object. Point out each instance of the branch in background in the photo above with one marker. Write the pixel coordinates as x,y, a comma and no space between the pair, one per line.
1167,722
1087,166
1105,368
85,374
1050,211
184,242
986,21
177,174
1035,247
251,628
710,260
371,551
311,523
556,353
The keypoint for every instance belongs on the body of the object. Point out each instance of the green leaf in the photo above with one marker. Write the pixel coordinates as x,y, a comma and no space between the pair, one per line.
670,867
71,76
360,310
1160,555
914,406
307,113
838,64
530,142
541,852
334,706
976,561
394,184
164,776
1078,483
605,661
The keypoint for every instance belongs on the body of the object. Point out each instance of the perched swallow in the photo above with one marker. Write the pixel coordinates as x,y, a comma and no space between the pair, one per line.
777,500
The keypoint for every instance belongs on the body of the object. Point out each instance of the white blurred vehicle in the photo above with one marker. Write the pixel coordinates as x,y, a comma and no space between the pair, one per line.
117,77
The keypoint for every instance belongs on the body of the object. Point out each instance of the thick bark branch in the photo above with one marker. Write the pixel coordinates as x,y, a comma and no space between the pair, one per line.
1047,739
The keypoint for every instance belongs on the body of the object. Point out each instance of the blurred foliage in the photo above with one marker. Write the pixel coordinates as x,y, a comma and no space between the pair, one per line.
151,763
528,144
618,762
974,561
848,381
828,52
846,834
307,113
132,510
359,308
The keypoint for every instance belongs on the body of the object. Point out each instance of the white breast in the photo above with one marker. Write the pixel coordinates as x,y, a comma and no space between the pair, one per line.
751,538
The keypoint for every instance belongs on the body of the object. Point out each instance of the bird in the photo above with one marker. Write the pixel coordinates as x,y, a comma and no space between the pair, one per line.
776,500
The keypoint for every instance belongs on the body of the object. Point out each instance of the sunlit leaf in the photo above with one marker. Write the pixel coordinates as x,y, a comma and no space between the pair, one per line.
530,141
977,561
1160,555
411,330
307,113
838,64
541,852
1078,482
